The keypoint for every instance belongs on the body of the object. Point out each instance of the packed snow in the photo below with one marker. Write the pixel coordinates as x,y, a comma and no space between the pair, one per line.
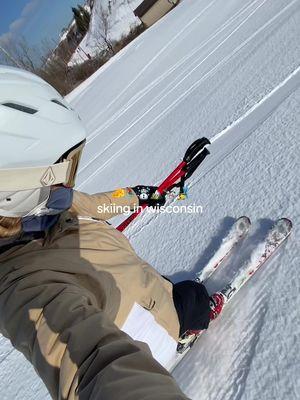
228,71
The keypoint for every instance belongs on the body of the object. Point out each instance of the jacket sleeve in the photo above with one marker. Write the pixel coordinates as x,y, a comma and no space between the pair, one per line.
104,205
75,348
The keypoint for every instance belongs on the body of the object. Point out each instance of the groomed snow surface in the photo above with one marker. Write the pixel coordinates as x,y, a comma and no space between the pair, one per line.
229,71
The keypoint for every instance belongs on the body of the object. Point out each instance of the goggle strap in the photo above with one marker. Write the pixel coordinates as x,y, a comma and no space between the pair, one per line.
74,158
15,179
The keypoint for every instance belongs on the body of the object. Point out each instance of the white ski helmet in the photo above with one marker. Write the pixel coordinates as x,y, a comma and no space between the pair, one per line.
41,139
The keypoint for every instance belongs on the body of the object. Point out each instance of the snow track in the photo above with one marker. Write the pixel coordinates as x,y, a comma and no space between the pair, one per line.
186,62
156,57
246,124
239,131
183,75
129,135
260,111
245,352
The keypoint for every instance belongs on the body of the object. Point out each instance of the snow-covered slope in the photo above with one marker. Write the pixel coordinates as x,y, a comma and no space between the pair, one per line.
229,71
110,19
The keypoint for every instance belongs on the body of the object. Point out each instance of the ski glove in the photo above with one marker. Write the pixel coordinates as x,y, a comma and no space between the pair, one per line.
147,195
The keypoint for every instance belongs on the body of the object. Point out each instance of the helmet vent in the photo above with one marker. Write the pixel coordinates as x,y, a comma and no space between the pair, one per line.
59,103
19,107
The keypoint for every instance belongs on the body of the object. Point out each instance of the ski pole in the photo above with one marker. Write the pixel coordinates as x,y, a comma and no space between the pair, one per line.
193,157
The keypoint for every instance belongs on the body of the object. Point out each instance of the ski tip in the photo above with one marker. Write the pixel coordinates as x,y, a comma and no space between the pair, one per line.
243,224
245,218
286,221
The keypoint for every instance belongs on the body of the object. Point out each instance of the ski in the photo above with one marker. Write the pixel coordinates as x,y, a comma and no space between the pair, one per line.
237,233
276,236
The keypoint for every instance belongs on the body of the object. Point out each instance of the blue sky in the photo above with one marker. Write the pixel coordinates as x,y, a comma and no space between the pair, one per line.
35,19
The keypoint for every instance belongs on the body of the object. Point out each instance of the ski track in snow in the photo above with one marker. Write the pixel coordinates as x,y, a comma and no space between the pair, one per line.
157,56
115,151
241,129
246,349
78,93
257,114
188,59
162,95
229,70
244,355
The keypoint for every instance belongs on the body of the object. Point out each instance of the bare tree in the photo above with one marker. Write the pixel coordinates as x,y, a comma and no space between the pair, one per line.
56,72
28,56
104,28
20,54
8,58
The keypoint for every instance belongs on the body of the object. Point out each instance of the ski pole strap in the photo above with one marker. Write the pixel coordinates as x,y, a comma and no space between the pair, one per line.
193,157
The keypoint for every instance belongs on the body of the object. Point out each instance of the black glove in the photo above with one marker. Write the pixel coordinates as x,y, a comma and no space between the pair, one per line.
146,195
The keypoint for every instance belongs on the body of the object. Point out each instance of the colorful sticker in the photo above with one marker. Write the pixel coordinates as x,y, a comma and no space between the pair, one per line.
119,193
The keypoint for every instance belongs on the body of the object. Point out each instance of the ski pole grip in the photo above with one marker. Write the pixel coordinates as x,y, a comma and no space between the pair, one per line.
194,164
195,148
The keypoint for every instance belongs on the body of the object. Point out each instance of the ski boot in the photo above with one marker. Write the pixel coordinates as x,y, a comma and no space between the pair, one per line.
187,340
217,301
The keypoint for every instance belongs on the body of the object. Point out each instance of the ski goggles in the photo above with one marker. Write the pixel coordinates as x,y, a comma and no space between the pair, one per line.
63,172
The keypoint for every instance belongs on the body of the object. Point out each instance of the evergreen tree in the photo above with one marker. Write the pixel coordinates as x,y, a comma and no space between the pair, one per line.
86,17
76,13
82,19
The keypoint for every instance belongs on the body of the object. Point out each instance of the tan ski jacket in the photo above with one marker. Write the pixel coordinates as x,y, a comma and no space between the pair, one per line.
63,300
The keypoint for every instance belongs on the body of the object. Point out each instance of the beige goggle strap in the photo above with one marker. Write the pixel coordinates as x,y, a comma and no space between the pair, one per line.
15,179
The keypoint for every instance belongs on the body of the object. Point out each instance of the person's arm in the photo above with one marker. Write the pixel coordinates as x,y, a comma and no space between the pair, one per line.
107,205
104,205
75,348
